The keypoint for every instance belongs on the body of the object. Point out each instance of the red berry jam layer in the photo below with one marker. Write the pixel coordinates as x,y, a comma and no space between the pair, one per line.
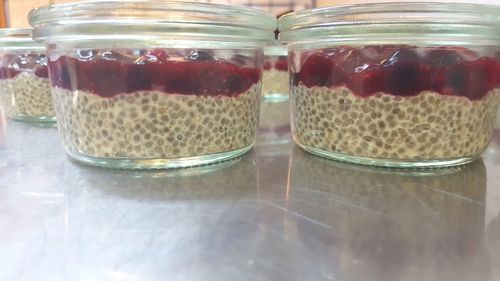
110,75
400,70
13,64
8,73
280,64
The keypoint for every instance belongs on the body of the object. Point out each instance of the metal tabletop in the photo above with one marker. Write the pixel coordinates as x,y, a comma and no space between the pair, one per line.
276,214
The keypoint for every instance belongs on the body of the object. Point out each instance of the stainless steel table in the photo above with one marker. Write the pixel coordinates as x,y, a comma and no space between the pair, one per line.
275,214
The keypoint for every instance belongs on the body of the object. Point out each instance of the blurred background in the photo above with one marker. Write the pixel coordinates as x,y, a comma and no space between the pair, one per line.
13,12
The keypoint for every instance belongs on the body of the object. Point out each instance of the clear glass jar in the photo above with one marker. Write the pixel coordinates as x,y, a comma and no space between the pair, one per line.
494,148
3,127
274,126
154,84
24,84
394,84
275,78
497,125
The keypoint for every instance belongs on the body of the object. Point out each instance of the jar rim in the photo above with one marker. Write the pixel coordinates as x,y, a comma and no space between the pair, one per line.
18,39
393,17
275,50
108,16
15,32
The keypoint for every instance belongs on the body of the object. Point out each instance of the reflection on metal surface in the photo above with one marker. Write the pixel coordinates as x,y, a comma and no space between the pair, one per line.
183,222
168,173
391,226
493,243
274,143
222,181
274,214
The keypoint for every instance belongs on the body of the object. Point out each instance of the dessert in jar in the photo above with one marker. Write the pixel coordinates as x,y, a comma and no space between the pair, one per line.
154,84
275,78
380,85
24,84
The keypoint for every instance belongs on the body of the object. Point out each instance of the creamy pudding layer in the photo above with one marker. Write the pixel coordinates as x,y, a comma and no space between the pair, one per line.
154,124
427,126
26,95
275,82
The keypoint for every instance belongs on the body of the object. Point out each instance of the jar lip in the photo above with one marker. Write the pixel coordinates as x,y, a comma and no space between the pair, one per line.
149,12
422,23
369,13
18,38
26,32
275,50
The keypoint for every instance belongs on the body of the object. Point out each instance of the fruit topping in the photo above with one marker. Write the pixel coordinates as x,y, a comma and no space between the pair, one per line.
401,70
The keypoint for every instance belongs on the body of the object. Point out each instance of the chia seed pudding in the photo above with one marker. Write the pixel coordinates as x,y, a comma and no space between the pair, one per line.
161,108
24,84
396,102
154,84
379,84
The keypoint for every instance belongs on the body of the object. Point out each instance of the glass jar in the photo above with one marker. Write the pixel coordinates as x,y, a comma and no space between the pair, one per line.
394,84
497,123
275,77
3,127
274,126
154,84
24,83
494,148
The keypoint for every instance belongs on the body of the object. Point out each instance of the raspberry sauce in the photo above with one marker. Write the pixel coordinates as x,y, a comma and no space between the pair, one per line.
108,76
281,64
14,64
401,70
7,72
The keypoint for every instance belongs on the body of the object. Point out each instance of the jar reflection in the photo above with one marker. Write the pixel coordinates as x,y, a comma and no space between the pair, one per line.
273,147
493,240
143,215
224,180
378,224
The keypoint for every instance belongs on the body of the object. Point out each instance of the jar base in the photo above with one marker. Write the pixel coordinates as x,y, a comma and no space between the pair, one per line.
390,163
39,120
158,163
275,97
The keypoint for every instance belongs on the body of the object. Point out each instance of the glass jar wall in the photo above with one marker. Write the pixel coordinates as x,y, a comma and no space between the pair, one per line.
24,84
381,85
159,85
275,79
